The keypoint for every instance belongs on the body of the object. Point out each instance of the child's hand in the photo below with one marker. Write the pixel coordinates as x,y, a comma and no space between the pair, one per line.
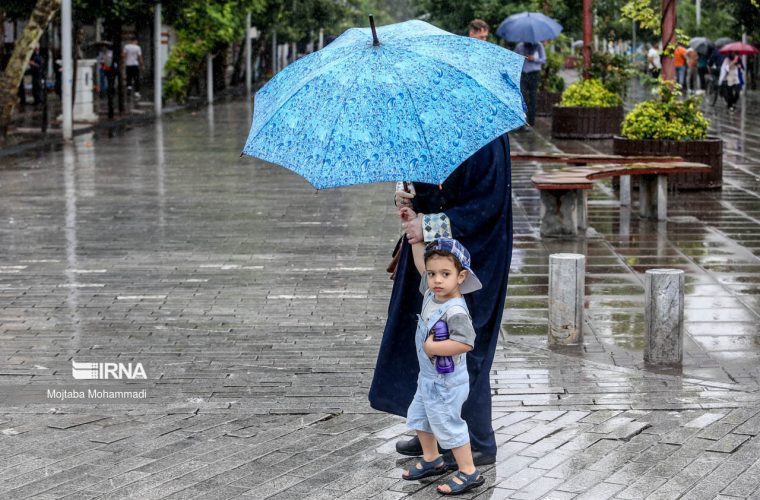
428,343
407,214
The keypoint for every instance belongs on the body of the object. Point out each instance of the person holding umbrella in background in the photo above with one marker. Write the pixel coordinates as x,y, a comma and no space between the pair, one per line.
732,71
535,58
730,77
530,30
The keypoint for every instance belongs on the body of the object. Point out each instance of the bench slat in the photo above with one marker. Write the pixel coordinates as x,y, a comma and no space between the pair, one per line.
583,177
590,158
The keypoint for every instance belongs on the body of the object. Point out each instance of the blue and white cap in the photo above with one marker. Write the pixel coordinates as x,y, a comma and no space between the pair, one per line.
459,252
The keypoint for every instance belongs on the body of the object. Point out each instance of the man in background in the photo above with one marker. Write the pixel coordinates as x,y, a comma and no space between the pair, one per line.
479,29
133,61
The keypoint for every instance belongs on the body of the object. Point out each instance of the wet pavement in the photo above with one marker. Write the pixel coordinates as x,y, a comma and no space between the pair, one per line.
256,305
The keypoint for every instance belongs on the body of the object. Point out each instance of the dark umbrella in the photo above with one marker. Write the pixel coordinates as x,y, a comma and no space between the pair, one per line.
702,45
532,27
720,42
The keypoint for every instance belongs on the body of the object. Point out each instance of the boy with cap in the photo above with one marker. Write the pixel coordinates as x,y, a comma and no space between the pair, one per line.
435,411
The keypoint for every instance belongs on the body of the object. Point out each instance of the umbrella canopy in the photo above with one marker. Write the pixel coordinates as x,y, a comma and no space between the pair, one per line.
743,49
701,44
720,42
530,27
411,107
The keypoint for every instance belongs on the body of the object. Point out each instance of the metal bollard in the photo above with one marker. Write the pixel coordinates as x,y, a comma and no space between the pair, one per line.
567,273
663,316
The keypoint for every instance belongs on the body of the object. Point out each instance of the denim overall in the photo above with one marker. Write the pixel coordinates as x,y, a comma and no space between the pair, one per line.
437,404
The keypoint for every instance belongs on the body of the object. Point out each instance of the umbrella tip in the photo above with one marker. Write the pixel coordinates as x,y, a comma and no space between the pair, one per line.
375,40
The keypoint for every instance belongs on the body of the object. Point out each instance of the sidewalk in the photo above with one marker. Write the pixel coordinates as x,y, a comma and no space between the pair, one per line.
256,305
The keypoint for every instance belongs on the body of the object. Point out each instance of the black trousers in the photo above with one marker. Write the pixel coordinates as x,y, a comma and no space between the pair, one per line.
731,94
133,77
529,88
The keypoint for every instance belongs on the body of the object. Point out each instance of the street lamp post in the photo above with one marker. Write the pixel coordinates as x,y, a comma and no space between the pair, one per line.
67,78
157,84
248,76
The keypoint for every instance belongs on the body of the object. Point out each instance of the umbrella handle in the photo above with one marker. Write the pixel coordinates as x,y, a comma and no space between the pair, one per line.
375,40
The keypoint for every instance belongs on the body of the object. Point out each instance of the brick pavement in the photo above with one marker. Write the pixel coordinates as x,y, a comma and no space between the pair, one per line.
256,304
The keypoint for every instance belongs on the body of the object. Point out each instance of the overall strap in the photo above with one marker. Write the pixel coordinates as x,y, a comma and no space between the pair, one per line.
441,311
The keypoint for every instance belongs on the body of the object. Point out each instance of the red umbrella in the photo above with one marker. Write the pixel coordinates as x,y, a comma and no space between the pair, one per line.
739,48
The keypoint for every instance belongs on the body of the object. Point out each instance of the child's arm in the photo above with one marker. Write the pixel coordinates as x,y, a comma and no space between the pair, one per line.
418,249
445,347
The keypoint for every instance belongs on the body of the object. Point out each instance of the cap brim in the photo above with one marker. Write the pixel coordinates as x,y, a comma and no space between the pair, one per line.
471,283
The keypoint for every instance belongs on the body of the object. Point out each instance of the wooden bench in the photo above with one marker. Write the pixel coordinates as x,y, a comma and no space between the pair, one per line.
586,159
564,194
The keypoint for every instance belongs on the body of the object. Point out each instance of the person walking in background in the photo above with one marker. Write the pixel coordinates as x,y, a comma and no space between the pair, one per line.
730,80
679,61
133,61
105,68
478,29
691,70
535,58
702,72
653,61
36,68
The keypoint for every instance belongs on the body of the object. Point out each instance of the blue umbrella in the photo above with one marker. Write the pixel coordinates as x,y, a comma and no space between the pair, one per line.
530,27
411,104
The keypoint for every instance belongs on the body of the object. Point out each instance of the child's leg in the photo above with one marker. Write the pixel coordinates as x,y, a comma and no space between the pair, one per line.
429,445
463,456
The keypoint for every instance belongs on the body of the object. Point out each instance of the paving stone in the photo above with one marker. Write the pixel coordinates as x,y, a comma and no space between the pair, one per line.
728,443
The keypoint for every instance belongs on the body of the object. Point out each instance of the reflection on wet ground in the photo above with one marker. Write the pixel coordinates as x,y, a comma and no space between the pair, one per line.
714,236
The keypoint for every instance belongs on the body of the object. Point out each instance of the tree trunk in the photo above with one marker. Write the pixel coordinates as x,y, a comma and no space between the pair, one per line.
14,72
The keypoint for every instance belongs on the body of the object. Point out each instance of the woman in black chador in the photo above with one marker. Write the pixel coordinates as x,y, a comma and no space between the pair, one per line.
474,206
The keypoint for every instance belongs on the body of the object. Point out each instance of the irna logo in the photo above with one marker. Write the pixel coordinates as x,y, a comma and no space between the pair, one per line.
103,371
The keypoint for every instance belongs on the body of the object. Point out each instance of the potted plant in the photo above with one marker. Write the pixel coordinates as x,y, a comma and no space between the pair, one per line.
669,126
588,110
552,84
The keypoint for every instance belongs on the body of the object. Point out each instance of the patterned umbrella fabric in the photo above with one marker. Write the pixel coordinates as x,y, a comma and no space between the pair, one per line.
532,27
413,107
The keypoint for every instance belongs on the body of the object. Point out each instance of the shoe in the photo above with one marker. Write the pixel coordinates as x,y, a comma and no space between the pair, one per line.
478,458
469,482
412,447
426,469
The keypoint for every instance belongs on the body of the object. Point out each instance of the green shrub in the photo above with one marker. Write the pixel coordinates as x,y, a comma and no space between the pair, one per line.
589,94
667,117
613,70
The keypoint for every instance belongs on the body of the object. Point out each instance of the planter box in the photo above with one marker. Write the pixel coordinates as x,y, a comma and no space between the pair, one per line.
545,102
709,151
586,123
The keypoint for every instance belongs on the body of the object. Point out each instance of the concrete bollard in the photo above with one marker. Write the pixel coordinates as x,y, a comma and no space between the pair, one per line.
663,316
567,273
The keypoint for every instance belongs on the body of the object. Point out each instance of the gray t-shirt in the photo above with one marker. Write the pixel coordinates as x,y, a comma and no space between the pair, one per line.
457,317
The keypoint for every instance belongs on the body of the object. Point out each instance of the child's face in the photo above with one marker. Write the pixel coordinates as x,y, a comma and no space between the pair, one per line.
443,278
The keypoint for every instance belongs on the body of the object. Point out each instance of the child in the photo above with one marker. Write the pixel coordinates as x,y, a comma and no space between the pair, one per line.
435,412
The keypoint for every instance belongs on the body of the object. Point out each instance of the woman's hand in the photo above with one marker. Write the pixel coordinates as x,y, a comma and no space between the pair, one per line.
402,197
412,227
